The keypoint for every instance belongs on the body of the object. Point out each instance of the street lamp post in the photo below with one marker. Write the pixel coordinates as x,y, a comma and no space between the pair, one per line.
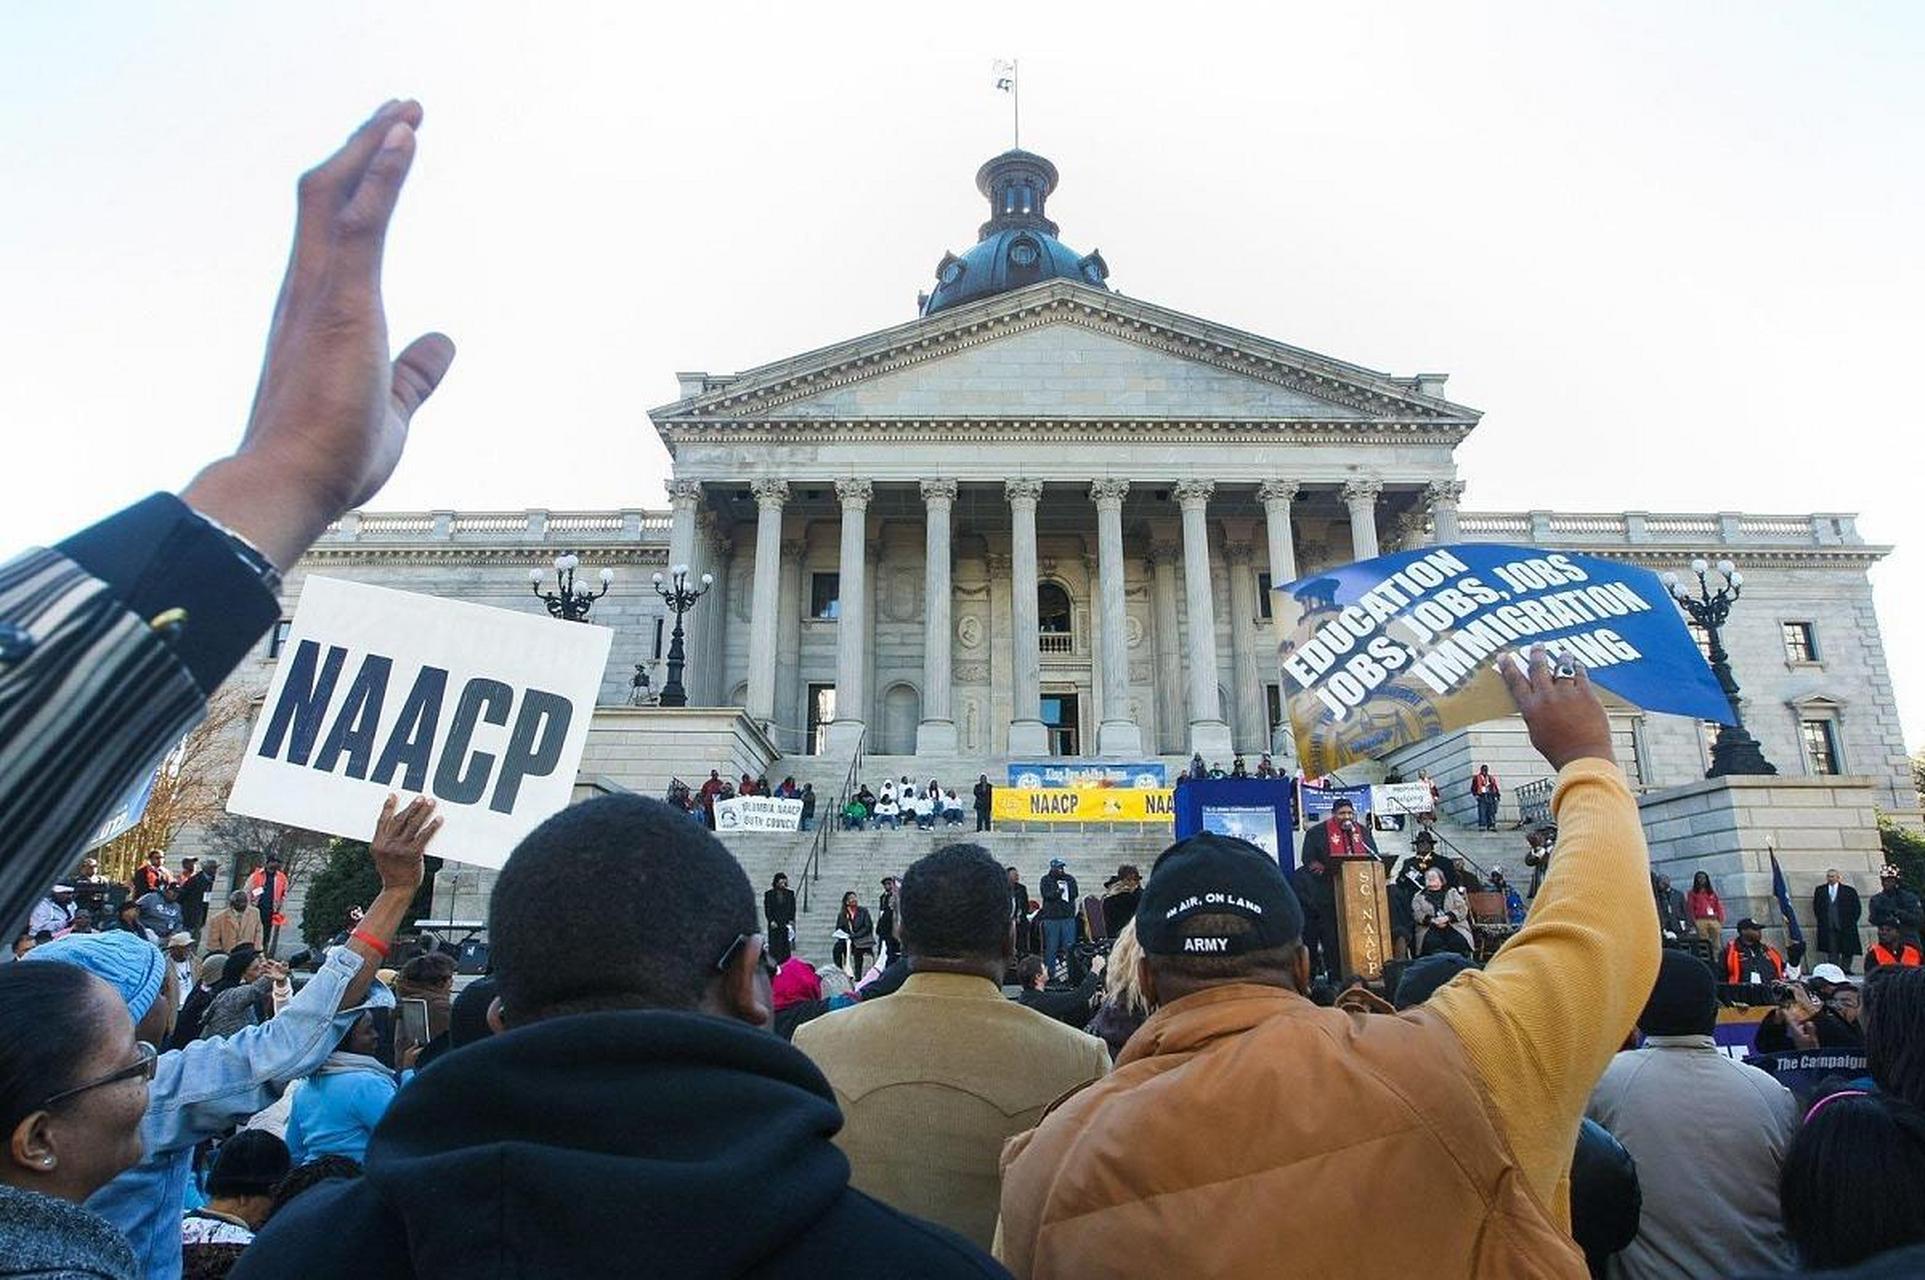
680,598
1735,751
571,603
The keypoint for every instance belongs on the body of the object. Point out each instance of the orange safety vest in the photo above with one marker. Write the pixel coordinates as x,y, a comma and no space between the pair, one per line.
1731,963
1907,956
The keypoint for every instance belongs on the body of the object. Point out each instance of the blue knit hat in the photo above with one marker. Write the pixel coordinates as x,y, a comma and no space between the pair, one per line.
125,961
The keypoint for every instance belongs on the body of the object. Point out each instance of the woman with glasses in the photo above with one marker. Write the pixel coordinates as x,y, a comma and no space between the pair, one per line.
73,1089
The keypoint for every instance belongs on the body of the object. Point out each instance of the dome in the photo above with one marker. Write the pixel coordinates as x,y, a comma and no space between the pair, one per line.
1018,245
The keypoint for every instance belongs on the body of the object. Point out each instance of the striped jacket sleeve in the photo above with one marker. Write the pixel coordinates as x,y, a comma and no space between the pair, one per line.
90,695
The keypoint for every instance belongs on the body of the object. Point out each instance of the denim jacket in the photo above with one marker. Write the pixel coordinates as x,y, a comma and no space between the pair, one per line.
212,1085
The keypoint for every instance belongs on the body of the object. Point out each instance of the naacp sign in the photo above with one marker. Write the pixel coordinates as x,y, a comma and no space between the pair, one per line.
483,709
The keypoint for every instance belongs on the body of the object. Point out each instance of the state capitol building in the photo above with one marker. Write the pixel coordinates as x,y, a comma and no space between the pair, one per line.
1040,518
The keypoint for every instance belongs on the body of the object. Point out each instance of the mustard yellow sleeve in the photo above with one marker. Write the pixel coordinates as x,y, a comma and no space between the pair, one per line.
1542,1021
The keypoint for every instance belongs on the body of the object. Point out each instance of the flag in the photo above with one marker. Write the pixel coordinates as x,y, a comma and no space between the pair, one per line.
1783,894
1004,75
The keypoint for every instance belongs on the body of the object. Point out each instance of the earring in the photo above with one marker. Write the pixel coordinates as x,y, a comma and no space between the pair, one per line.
46,1162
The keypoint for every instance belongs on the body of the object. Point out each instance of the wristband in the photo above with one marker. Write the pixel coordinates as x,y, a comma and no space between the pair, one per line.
362,935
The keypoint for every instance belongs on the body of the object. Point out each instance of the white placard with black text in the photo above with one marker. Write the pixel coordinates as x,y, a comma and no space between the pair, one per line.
486,710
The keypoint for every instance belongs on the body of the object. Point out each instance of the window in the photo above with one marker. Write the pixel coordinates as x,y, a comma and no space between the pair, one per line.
825,595
661,624
1701,638
1801,641
278,639
1053,618
1273,697
1052,609
1263,595
1821,746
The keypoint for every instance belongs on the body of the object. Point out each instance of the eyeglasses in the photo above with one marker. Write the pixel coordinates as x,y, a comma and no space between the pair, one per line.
142,1068
762,953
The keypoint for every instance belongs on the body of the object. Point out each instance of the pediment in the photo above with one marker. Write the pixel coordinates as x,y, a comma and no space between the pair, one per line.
1061,351
1059,368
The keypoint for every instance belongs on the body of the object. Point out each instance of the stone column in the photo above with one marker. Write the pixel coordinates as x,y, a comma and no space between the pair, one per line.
1164,557
715,558
936,735
684,503
764,600
1277,497
852,627
1252,726
1117,734
1361,497
1027,737
1444,496
996,709
789,711
1209,734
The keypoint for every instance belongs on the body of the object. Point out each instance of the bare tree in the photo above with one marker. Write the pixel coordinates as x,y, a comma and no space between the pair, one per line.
190,785
246,843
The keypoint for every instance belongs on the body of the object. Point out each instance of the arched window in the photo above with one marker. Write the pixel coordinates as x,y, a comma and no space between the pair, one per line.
1054,620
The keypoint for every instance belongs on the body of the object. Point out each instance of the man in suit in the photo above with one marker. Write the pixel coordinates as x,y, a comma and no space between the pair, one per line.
111,640
933,1080
1339,836
1834,905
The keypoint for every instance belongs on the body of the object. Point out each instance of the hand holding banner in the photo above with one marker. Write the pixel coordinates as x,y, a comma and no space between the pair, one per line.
1390,651
487,710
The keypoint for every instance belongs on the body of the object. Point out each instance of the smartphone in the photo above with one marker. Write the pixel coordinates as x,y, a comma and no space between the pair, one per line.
414,1021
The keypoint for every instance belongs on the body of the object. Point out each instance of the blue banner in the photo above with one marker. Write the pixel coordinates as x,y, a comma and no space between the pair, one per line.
132,805
1032,775
1260,810
1387,652
1317,802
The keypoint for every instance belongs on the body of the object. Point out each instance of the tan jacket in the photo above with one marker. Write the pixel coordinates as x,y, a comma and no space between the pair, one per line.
1246,1132
932,1080
228,928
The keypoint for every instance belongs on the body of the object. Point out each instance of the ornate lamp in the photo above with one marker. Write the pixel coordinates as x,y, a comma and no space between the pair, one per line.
570,603
680,598
1735,751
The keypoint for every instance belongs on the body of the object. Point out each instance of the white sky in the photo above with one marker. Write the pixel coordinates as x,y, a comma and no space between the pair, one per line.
1671,250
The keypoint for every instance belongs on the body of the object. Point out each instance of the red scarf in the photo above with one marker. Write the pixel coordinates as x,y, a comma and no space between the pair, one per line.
1344,844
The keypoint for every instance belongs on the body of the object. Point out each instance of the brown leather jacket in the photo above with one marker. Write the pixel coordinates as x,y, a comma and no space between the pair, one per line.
1215,1155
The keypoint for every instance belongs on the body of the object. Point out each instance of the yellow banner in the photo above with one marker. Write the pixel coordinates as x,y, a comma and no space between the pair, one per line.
1084,804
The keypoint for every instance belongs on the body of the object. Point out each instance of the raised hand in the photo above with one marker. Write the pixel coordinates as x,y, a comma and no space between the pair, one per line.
1562,711
331,412
401,837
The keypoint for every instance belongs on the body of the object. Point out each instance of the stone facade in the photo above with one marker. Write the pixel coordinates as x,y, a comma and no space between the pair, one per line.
1143,473
1731,828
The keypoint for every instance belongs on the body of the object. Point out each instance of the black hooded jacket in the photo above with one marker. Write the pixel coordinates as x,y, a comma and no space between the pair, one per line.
639,1143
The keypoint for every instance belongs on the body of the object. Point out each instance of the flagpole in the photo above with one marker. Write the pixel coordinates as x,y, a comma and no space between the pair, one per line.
1016,100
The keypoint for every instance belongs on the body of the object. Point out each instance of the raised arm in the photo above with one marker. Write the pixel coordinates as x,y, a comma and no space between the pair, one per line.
1542,1021
111,642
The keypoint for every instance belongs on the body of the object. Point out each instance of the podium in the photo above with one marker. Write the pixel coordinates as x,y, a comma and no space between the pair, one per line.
1363,917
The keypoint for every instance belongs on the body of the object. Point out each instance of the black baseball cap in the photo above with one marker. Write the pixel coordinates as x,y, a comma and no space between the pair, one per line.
1212,875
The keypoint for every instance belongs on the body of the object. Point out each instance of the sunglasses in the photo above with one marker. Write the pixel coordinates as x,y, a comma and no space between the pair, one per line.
142,1068
742,940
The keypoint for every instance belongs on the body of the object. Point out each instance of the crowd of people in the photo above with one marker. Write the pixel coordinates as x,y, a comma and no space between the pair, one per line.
699,802
899,804
675,1092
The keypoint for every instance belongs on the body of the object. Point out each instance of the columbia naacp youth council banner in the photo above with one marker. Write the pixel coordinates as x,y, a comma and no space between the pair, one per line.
486,710
758,813
1386,652
1082,804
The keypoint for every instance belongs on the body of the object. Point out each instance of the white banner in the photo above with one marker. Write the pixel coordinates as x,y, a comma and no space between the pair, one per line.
758,813
486,710
1398,798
